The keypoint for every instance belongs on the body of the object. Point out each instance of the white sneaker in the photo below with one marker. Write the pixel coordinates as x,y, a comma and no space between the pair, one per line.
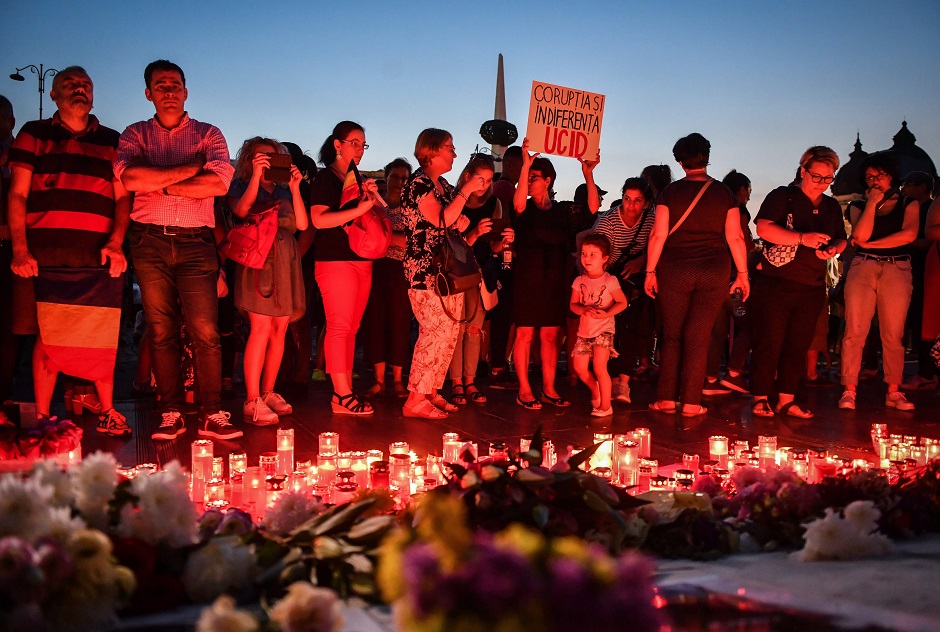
899,401
257,413
623,393
277,403
847,401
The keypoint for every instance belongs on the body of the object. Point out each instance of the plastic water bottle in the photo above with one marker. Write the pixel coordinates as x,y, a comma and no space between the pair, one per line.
737,303
507,258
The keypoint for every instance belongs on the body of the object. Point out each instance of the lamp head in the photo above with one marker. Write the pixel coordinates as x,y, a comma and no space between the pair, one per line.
16,76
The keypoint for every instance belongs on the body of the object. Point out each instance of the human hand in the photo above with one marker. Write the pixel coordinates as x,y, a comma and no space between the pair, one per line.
259,163
509,236
485,226
462,222
295,178
595,312
24,264
741,281
587,166
527,158
651,285
815,240
199,160
874,196
631,268
827,253
475,185
114,252
370,188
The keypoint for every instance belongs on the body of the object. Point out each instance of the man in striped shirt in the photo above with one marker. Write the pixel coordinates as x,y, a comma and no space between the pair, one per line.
66,210
176,166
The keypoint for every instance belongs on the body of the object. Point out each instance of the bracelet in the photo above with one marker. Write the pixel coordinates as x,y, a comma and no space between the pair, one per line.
463,195
651,271
741,271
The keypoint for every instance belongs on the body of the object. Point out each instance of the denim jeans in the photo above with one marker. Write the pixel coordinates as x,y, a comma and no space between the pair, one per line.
885,286
177,275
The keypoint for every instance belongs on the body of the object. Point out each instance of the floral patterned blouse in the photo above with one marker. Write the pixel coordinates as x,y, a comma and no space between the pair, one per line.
422,236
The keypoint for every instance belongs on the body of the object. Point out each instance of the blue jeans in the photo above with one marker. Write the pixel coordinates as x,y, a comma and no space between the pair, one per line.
177,275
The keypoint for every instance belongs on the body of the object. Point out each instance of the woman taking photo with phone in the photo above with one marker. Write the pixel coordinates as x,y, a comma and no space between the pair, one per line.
273,296
344,277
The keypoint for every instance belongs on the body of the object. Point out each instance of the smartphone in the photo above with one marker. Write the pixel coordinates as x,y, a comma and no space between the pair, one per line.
496,230
279,171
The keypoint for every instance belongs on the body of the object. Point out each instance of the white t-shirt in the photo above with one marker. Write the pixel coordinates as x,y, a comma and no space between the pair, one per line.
596,293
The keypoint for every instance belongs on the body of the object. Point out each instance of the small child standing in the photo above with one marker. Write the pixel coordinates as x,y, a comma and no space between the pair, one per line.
596,296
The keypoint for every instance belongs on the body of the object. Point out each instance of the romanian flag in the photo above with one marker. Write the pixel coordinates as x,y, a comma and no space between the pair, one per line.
79,312
352,188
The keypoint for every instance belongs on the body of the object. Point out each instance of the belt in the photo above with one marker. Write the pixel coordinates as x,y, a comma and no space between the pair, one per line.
865,255
156,229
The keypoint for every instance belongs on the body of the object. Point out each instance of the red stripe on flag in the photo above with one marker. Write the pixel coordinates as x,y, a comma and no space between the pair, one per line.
352,187
89,364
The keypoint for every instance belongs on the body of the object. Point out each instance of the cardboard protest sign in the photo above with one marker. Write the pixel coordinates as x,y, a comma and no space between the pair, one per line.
564,121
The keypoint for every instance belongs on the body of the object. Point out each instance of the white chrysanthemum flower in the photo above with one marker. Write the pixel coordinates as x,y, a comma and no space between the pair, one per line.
289,512
222,616
835,538
62,525
24,507
222,565
307,608
48,472
863,515
164,513
94,480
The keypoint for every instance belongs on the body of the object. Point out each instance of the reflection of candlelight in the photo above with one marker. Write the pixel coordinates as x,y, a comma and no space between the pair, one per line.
329,443
285,451
452,450
718,449
433,468
238,490
218,467
450,437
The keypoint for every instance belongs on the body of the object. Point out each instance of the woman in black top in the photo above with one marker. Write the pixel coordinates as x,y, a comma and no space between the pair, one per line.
788,297
689,248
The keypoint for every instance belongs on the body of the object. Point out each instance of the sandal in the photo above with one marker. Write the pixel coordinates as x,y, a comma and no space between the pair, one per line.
695,412
423,410
474,394
458,395
440,403
558,402
350,404
528,404
663,406
377,389
793,410
762,408
399,389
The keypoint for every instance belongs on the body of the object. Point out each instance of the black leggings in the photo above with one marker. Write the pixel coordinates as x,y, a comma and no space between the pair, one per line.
784,314
691,294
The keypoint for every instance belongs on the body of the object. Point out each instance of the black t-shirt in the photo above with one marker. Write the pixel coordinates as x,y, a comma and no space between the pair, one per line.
784,202
330,244
702,234
886,225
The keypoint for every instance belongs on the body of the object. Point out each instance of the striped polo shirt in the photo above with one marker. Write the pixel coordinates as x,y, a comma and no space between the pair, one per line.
70,208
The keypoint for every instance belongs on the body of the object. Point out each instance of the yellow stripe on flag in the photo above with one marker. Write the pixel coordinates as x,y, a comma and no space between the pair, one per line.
79,325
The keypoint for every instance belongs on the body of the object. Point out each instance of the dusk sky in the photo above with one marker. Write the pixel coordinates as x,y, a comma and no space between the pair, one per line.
762,81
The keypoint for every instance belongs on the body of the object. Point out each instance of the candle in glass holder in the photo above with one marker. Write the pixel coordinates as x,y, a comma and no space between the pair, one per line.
374,455
344,461
202,468
378,475
329,443
603,456
450,437
215,490
602,472
127,471
524,445
767,450
878,430
218,467
659,483
684,479
342,493
718,449
253,490
220,504
285,451
626,461
691,462
145,469
499,451
735,450
549,457
643,478
653,464
297,481
398,447
268,463
645,439
237,462
274,488
932,447
326,469
860,464
430,483
359,465
399,472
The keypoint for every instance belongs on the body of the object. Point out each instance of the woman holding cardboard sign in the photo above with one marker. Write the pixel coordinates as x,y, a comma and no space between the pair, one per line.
540,272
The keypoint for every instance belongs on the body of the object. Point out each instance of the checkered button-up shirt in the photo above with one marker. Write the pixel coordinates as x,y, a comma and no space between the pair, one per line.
160,147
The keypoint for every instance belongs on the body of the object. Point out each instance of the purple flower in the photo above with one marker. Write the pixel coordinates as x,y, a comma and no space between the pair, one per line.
569,595
498,581
422,576
235,522
208,524
19,575
54,562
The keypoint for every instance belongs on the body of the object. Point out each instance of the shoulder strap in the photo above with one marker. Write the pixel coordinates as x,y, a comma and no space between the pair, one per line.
691,206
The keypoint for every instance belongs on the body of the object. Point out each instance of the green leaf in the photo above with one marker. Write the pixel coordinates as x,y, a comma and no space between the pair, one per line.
339,518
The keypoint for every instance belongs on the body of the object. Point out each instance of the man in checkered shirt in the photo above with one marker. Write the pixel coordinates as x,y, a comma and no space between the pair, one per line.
175,166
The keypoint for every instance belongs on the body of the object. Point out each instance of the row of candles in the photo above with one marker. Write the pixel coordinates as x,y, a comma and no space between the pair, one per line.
623,459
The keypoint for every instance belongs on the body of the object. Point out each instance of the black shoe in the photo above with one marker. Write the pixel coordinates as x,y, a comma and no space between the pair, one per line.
713,387
503,380
734,382
170,428
218,426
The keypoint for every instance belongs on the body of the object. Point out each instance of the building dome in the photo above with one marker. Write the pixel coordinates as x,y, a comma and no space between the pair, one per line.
847,181
910,157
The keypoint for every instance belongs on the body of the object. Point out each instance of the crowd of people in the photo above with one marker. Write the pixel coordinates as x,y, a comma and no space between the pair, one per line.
668,283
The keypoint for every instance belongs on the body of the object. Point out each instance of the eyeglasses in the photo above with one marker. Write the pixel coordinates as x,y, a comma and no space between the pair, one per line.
356,144
815,177
450,147
876,177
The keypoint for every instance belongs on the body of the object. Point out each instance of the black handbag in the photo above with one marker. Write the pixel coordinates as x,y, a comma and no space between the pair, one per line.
455,267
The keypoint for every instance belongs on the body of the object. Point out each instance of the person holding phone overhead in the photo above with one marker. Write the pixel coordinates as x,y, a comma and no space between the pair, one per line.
273,296
880,277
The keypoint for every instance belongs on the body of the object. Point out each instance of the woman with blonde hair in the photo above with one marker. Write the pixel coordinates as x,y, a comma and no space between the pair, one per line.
431,206
273,296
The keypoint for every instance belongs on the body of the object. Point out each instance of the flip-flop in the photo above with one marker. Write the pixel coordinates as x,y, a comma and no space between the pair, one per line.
558,402
528,404
791,409
701,411
762,408
424,410
660,407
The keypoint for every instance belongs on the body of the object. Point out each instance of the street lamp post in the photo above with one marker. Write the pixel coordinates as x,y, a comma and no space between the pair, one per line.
39,72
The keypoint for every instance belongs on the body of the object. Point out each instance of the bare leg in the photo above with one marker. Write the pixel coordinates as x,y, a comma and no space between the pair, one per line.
255,349
274,352
549,339
520,358
601,355
43,381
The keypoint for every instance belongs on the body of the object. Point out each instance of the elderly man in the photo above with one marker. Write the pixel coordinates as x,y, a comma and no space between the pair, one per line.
176,165
67,216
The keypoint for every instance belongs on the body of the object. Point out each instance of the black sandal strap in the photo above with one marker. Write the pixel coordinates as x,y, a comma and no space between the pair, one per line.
351,402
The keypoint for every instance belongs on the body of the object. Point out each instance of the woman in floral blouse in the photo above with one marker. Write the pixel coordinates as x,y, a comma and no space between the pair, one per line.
429,204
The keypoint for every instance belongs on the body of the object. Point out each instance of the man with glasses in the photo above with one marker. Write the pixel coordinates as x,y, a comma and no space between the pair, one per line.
176,165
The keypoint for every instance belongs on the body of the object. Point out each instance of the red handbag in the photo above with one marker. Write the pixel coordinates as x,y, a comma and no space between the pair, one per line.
250,242
370,234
